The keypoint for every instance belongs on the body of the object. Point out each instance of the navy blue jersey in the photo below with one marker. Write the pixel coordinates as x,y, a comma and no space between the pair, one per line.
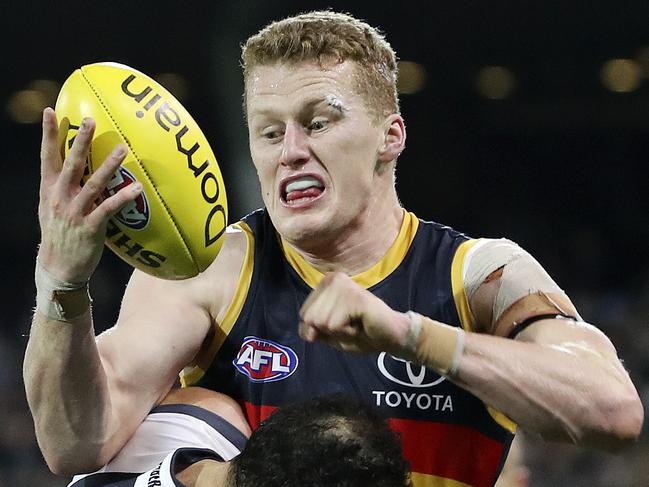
256,356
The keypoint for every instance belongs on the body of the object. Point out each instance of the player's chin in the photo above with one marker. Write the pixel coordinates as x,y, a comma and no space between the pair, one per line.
303,226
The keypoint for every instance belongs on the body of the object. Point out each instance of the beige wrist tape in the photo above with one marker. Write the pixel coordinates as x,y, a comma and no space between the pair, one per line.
435,344
60,300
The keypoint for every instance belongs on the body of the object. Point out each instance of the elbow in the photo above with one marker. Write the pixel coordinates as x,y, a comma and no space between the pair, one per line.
628,420
616,423
73,461
68,467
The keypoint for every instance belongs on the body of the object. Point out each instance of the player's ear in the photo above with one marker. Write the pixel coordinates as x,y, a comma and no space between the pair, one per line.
394,138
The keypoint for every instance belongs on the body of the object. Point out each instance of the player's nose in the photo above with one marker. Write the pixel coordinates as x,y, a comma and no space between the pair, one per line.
295,145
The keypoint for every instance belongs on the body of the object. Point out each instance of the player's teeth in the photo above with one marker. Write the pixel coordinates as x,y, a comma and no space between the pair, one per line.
303,183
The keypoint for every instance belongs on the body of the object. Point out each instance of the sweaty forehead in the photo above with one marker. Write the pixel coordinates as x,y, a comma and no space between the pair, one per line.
282,85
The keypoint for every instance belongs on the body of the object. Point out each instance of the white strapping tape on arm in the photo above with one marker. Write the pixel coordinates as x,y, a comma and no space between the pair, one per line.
522,274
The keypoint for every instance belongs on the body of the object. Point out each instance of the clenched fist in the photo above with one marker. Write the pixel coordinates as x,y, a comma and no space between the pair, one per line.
340,312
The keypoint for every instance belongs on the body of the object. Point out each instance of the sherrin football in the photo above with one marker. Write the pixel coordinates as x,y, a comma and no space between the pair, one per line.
175,228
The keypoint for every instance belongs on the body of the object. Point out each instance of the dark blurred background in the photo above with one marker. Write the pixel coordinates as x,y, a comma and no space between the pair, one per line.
525,119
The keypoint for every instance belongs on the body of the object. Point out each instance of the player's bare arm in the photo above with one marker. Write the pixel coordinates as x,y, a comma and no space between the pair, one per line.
560,378
87,398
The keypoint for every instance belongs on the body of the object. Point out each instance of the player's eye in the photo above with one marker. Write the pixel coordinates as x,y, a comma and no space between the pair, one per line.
271,134
318,124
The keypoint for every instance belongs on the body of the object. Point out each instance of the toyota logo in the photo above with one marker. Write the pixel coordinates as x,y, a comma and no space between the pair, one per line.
406,373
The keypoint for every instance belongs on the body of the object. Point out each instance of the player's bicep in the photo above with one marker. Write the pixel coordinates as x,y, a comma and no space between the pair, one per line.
526,304
160,328
506,285
570,336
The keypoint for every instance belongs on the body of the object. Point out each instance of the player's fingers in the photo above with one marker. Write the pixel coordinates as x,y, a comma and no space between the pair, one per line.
112,205
317,297
308,302
344,345
50,156
341,328
95,185
74,164
318,313
307,332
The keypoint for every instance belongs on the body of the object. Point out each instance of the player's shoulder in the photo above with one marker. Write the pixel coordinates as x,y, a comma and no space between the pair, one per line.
219,282
208,289
437,227
437,236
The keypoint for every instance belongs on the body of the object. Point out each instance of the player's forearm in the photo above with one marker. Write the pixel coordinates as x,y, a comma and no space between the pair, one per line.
560,393
67,393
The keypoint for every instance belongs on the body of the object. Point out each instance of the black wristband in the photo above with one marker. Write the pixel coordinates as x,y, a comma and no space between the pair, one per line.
519,327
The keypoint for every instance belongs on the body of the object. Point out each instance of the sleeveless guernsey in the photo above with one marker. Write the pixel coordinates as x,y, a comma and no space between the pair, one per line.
450,437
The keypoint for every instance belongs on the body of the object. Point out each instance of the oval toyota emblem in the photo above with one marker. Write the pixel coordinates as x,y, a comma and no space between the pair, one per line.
406,373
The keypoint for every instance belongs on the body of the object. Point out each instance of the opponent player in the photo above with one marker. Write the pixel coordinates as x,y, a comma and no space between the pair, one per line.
189,425
189,439
333,250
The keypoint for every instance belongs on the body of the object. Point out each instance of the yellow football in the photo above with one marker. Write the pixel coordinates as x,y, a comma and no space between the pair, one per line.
175,229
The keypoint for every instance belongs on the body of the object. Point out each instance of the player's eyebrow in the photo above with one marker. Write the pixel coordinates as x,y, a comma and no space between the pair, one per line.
331,101
334,102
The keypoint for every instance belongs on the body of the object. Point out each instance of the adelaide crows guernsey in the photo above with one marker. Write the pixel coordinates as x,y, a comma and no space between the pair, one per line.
450,437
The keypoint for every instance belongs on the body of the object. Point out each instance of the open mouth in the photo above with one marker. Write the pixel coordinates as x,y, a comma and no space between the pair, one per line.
297,191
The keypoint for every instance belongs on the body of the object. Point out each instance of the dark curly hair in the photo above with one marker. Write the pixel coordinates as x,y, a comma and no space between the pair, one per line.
323,442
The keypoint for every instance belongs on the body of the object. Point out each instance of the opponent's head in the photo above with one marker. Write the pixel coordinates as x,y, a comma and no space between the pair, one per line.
323,119
328,442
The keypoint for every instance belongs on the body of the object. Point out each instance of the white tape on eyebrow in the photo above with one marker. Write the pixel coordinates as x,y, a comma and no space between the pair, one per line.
522,274
335,102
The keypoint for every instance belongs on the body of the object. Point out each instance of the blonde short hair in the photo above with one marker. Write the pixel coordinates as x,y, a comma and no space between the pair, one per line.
327,37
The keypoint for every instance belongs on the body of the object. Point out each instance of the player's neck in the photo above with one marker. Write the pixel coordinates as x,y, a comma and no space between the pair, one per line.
364,243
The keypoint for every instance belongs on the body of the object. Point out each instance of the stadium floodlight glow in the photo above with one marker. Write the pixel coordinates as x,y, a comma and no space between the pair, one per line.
412,77
26,106
621,75
495,82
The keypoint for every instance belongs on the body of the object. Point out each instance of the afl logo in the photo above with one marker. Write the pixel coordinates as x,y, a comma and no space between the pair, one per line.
134,214
406,373
264,360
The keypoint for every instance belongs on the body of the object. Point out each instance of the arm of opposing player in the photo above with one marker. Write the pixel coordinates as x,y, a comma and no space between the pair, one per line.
559,378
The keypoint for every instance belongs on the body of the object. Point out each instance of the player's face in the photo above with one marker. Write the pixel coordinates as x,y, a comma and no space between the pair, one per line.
315,148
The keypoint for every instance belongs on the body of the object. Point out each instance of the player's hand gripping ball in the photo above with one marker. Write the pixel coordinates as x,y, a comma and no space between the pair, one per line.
175,228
